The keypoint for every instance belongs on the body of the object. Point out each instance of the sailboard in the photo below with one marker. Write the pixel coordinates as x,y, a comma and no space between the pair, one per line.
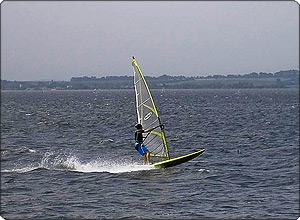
147,116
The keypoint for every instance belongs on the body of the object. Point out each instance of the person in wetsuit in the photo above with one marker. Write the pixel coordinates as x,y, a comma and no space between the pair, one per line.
139,146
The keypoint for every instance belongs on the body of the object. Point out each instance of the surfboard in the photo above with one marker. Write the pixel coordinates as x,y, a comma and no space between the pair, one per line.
178,160
148,117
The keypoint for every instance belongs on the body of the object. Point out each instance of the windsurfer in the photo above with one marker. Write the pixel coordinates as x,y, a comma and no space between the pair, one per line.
139,146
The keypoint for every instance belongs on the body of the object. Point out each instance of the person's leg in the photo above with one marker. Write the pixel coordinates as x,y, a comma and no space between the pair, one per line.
147,158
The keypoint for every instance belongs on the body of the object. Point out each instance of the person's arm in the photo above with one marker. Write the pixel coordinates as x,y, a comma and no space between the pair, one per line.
151,129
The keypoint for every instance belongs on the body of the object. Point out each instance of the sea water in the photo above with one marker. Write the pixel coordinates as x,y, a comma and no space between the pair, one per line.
70,154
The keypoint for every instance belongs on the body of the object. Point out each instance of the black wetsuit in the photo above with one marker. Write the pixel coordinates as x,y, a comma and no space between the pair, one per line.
139,135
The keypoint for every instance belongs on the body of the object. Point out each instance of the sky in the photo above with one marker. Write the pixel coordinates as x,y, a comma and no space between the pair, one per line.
57,40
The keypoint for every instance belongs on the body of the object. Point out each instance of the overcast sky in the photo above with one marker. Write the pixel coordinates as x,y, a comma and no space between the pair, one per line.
57,40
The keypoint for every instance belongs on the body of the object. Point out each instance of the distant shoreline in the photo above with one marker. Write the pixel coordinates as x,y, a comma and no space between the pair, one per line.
112,90
281,79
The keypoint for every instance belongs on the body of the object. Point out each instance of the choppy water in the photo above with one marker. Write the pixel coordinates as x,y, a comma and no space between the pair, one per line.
69,154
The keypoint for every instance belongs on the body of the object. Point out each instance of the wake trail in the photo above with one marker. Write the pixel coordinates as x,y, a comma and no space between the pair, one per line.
73,164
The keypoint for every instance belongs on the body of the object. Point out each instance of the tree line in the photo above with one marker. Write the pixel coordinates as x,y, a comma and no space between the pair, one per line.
280,79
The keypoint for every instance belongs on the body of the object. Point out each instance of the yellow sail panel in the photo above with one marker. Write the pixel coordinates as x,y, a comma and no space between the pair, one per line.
147,115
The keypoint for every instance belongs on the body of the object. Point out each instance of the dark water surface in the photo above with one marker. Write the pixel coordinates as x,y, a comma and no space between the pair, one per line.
70,154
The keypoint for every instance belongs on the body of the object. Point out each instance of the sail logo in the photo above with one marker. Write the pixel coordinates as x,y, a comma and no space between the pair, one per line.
147,116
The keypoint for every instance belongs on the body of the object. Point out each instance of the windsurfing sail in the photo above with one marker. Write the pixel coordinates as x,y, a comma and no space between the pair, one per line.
147,115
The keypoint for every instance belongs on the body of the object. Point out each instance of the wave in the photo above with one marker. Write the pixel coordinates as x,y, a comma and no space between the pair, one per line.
21,170
50,161
204,171
19,150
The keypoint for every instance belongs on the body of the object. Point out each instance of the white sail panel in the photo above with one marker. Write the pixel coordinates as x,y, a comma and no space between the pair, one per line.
147,115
